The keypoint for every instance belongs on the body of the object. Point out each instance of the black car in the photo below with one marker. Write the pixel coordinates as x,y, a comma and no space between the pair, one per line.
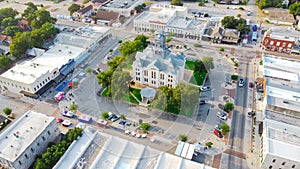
202,102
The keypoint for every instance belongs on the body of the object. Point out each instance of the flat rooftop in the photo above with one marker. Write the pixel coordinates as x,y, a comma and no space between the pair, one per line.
112,152
15,139
58,55
27,72
82,37
186,23
284,33
283,139
120,4
154,17
283,68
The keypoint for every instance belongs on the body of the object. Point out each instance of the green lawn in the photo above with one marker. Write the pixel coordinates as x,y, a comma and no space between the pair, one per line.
129,98
198,78
189,65
136,93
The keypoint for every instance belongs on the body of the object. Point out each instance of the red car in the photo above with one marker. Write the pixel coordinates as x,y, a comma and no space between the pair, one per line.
218,133
59,120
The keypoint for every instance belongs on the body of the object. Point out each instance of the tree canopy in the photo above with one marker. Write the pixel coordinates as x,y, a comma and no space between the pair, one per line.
7,13
208,63
5,61
183,137
10,21
173,99
145,127
235,23
7,111
225,128
176,2
73,8
30,9
228,106
55,151
41,17
295,10
11,30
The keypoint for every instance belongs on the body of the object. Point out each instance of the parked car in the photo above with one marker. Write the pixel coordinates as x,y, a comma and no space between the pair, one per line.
217,127
66,123
241,83
251,113
222,116
59,120
115,118
218,133
80,125
84,65
202,102
251,85
205,88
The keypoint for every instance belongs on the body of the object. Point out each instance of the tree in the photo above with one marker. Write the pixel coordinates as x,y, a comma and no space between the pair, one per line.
122,116
89,70
7,111
208,62
228,107
222,49
73,107
40,17
176,2
31,9
5,61
105,115
168,39
11,30
295,10
234,77
143,39
225,128
6,13
127,48
183,137
243,28
20,44
199,66
73,8
10,21
145,127
73,134
239,15
229,22
209,144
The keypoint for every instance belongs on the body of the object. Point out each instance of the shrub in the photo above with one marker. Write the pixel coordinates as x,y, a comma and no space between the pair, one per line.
120,41
222,49
236,64
234,77
73,107
225,128
7,111
228,107
145,127
197,45
206,15
209,144
122,116
241,8
105,115
183,137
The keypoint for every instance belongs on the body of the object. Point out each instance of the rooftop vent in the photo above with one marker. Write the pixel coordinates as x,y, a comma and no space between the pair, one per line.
11,146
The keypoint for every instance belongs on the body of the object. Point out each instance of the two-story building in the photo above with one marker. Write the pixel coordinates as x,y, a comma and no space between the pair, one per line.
25,139
157,66
281,41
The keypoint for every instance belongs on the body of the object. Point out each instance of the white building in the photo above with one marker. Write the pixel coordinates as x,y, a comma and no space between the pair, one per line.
158,66
96,150
30,77
125,8
280,146
26,138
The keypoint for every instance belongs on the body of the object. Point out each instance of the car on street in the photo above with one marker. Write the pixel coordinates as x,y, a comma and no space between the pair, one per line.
217,127
241,83
251,113
84,65
205,88
66,123
115,118
218,133
202,102
222,116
